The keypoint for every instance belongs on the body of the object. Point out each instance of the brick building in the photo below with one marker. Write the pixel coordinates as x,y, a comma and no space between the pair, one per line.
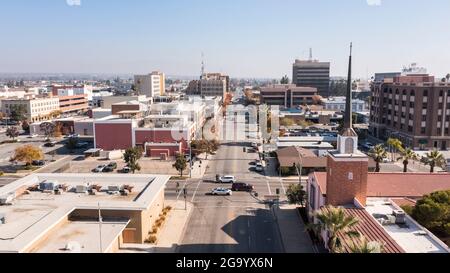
413,108
288,95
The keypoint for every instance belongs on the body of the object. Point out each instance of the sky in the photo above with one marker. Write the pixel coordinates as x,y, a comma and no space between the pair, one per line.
242,38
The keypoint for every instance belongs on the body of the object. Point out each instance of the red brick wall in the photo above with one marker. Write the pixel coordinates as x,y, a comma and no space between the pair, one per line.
160,136
156,151
341,190
113,136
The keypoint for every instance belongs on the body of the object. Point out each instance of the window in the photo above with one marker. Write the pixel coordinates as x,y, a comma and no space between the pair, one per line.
423,130
425,93
312,197
425,106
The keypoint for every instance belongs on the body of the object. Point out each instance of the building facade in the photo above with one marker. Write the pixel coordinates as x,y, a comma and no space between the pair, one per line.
153,84
288,95
338,104
412,108
35,110
312,73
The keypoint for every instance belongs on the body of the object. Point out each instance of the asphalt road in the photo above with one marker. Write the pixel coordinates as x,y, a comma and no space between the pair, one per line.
240,223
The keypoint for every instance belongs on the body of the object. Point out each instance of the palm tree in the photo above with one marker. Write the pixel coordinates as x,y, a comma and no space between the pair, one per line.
334,221
364,246
448,77
378,153
408,155
434,158
394,145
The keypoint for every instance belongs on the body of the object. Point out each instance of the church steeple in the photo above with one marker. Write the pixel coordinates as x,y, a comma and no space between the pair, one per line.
348,105
348,139
348,116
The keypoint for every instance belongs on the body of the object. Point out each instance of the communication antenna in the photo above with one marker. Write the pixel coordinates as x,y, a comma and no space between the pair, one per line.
310,54
203,65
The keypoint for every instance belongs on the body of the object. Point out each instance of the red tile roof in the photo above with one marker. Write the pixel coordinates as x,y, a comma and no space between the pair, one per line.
412,185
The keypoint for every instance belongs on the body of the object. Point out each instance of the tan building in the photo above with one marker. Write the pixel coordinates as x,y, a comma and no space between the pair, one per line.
210,85
36,109
288,95
59,213
151,85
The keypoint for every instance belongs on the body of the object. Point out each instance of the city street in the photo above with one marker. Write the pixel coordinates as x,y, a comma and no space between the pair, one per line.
241,223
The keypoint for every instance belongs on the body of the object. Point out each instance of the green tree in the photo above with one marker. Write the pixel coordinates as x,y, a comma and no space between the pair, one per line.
131,157
205,146
395,145
407,155
378,153
285,80
334,221
433,212
180,164
18,112
433,159
366,247
296,194
12,132
26,126
48,128
72,143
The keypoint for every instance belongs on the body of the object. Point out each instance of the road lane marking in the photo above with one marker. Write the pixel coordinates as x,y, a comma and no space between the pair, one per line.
268,186
195,192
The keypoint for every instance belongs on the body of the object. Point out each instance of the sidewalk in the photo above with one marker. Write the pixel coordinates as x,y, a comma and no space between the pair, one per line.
170,235
293,230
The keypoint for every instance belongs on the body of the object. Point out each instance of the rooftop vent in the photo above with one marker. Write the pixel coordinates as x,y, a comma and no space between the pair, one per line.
2,219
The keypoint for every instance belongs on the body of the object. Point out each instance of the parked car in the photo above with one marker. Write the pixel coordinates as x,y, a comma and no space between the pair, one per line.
99,169
125,170
108,169
112,165
38,163
242,187
221,191
259,167
73,136
82,145
33,136
50,144
227,179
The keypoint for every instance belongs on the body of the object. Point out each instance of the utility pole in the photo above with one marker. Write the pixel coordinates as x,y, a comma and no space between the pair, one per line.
100,227
190,159
185,197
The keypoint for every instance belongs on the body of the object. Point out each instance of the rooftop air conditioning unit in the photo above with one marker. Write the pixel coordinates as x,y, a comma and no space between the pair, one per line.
400,217
6,200
48,186
2,219
81,189
113,188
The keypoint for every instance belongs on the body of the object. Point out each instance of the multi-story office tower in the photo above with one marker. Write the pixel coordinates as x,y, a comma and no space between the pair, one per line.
312,73
210,85
288,95
413,108
153,84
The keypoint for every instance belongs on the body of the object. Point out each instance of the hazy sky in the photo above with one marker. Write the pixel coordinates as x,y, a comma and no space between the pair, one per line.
244,38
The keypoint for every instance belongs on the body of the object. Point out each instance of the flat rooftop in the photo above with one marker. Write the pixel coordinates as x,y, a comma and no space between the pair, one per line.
412,237
83,236
32,215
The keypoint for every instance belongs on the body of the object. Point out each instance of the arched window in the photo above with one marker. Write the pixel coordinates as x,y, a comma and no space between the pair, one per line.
349,145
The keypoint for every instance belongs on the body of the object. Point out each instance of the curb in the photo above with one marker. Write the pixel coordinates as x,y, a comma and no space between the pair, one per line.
183,232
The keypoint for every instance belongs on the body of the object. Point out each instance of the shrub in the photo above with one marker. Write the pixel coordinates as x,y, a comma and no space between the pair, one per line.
168,208
151,240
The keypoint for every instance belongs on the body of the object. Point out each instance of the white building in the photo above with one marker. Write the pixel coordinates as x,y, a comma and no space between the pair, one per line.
37,109
338,104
